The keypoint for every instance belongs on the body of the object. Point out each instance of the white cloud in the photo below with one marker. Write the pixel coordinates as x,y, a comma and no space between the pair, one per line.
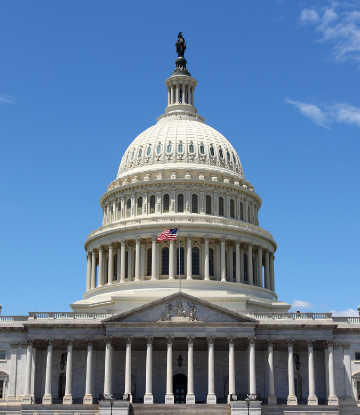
341,113
316,114
299,305
349,312
6,99
339,24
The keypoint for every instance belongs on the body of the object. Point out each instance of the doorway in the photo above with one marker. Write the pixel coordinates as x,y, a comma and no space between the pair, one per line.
180,388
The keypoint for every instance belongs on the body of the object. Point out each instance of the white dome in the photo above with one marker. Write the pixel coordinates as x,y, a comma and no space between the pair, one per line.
182,138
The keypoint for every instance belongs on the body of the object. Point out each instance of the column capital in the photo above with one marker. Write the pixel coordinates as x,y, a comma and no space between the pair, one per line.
250,245
251,340
223,240
14,345
290,342
138,241
231,340
69,342
101,248
130,244
90,342
50,342
111,245
346,346
238,242
207,238
150,340
169,340
189,237
336,346
270,342
210,340
128,340
190,340
154,238
122,242
310,343
108,340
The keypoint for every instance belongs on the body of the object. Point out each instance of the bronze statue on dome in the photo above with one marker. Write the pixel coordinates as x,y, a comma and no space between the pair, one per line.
180,45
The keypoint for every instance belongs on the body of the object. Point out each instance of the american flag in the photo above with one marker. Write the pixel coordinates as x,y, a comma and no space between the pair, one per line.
168,235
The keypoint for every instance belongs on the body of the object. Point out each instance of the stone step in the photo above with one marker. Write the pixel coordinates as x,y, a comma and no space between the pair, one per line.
177,409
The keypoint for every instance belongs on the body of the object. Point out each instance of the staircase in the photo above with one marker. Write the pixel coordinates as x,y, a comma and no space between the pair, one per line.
177,409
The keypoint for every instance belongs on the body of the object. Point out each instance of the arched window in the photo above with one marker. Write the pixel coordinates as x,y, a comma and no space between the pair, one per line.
241,211
191,148
165,261
202,149
211,262
152,204
166,203
126,263
221,153
128,208
195,261
180,207
181,261
212,152
221,206
115,268
232,208
139,153
139,206
148,151
158,149
208,205
149,261
61,385
180,148
194,204
168,148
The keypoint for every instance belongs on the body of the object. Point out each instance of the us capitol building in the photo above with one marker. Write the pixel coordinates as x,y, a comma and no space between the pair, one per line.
138,343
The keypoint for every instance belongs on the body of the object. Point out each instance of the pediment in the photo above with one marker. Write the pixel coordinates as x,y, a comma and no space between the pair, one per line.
179,308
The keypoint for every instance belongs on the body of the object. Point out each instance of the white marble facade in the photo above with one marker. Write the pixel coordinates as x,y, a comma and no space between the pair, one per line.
126,335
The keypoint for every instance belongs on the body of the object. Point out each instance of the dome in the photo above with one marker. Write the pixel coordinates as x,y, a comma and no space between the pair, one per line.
180,139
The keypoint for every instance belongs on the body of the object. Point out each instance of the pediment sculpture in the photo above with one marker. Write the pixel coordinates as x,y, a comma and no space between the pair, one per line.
178,312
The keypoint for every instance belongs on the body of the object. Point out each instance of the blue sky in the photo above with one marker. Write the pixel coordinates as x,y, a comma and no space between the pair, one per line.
79,80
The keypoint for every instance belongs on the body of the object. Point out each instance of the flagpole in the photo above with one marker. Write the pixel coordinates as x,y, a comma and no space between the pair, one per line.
179,263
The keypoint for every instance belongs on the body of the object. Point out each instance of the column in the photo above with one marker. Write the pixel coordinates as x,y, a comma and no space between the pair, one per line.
101,267
148,398
231,262
237,254
349,398
27,391
47,398
169,96
122,263
272,276
111,264
242,265
188,94
172,94
93,269
252,367
88,398
332,399
108,387
169,397
153,258
118,257
232,388
11,398
312,399
292,399
190,397
177,94
88,272
137,259
143,262
128,367
130,261
250,265
192,95
271,398
267,270
211,397
222,256
172,262
189,258
218,261
68,383
260,267
105,273
33,361
206,259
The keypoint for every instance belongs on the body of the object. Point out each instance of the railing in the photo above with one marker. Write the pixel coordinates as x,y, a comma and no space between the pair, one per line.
6,319
292,316
353,320
66,315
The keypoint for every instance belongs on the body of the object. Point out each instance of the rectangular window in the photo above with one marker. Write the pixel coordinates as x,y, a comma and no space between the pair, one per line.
357,355
2,354
2,389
